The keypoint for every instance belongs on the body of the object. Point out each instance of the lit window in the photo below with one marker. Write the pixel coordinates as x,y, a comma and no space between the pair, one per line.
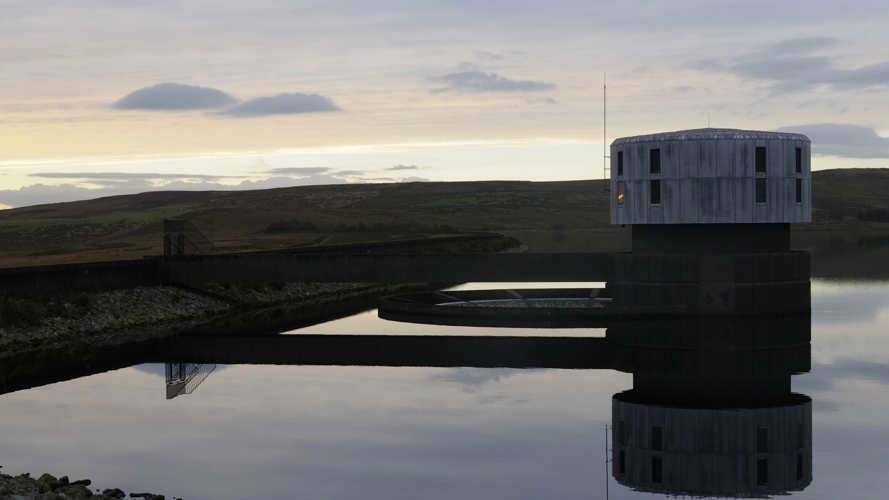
761,190
620,163
655,191
655,161
620,192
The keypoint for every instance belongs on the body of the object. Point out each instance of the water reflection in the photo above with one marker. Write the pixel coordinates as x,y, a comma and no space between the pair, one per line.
711,412
184,378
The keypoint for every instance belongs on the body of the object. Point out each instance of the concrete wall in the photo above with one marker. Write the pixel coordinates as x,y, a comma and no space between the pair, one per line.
715,284
388,268
708,176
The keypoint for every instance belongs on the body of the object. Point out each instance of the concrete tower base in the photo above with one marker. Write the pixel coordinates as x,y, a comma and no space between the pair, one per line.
713,270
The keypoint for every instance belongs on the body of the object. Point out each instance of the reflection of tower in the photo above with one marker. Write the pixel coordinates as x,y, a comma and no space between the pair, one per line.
711,412
184,378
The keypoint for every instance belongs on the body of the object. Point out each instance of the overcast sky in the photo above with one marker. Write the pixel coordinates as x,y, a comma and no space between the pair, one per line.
208,95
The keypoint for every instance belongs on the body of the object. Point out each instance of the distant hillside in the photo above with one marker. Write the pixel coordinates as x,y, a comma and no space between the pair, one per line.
128,227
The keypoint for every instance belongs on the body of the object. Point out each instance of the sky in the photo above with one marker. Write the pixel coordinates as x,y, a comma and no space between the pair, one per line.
103,97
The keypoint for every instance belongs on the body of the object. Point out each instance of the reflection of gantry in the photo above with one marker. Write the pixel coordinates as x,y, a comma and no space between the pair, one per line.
184,378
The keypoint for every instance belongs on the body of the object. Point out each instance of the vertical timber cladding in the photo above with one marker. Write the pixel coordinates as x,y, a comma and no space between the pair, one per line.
708,177
702,452
714,239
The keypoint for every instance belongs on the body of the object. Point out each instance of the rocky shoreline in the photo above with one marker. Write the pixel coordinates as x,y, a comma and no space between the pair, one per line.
48,487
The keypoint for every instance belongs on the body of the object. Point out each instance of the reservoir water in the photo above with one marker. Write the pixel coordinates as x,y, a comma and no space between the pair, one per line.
337,432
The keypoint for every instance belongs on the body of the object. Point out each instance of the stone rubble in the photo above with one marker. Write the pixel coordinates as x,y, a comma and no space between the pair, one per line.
47,487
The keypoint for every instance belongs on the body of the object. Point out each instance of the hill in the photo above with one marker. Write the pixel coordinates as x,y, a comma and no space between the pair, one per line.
543,213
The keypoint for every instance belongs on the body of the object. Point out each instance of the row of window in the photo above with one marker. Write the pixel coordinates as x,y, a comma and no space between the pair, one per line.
762,449
655,191
654,162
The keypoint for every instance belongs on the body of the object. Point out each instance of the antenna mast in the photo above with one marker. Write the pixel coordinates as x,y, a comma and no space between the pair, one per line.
605,169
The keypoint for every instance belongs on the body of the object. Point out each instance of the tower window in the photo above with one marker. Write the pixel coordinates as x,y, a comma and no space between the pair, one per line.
655,161
761,190
655,191
620,192
762,471
622,433
799,190
657,438
620,163
799,160
762,439
799,466
622,462
657,469
760,160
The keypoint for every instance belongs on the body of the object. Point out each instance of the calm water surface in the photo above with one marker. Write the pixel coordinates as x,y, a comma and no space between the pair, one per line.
378,432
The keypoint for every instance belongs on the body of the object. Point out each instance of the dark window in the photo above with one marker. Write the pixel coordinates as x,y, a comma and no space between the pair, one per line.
801,440
762,439
620,192
761,190
657,469
657,438
799,160
622,462
655,192
760,160
799,190
762,471
799,466
620,163
655,161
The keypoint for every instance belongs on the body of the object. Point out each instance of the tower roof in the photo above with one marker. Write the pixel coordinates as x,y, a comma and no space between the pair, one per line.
711,134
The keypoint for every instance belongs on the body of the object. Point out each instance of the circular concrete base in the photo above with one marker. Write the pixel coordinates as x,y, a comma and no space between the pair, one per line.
531,308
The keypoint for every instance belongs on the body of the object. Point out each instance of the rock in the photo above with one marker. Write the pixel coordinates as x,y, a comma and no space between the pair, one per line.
46,478
114,492
85,482
147,496
76,491
15,497
64,479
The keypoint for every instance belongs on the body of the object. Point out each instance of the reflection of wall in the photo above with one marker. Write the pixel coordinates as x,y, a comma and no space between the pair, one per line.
711,412
712,452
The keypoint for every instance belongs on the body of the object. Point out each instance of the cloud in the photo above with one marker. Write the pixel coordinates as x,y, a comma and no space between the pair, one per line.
542,100
843,140
797,46
403,167
40,194
489,56
414,179
175,97
789,67
479,82
299,170
123,176
283,104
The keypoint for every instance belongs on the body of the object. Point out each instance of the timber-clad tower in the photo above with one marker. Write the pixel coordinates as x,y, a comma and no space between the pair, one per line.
710,211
